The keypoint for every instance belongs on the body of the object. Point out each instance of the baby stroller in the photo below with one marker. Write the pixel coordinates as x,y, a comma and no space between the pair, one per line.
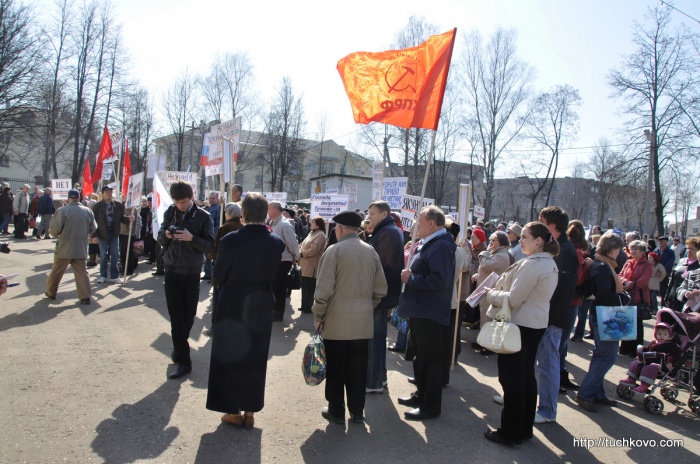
686,326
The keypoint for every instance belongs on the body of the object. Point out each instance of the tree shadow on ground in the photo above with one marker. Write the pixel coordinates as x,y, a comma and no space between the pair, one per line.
140,430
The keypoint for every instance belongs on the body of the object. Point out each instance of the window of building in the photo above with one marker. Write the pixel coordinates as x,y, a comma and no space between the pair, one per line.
258,182
4,161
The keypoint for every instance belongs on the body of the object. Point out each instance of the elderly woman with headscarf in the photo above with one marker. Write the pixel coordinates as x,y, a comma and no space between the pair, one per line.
495,259
635,276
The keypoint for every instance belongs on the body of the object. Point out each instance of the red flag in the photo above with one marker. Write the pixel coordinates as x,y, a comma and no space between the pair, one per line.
126,172
87,181
399,87
105,152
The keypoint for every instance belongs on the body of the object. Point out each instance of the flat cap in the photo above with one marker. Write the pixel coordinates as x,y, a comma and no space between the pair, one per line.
516,229
73,193
348,218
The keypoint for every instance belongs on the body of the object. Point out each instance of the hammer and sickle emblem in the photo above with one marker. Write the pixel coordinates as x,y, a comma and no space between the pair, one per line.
400,78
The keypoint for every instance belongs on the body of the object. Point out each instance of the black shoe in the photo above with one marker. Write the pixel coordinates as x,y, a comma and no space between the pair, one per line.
411,401
411,380
85,301
46,294
158,273
418,415
476,346
89,264
576,338
331,418
565,382
357,418
605,402
562,390
587,405
395,348
485,352
493,436
589,336
182,370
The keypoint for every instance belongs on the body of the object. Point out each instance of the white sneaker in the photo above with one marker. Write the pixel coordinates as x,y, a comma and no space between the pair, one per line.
101,280
542,420
498,399
117,280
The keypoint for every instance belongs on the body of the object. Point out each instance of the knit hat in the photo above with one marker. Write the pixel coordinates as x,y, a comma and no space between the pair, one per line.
479,233
654,256
663,325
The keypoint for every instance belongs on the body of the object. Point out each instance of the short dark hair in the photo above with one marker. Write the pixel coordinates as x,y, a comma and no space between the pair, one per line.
433,213
238,187
382,206
181,190
254,207
557,216
577,234
320,222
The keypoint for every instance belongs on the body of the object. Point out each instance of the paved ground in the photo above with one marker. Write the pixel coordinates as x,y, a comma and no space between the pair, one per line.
88,384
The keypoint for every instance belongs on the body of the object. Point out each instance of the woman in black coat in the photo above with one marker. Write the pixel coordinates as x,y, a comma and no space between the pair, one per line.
245,269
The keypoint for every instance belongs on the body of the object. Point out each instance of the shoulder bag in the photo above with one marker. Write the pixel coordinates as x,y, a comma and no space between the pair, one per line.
500,335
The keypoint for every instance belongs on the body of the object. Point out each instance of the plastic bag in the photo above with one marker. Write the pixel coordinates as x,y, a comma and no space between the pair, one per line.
313,365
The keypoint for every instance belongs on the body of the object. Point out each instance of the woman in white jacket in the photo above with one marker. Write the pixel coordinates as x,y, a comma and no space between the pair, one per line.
528,286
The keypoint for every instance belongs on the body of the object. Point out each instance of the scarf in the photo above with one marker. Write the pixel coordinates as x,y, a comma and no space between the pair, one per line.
612,264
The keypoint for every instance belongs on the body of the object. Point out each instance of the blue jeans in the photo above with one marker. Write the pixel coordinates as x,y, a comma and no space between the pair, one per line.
207,267
603,358
564,342
582,318
548,369
401,339
376,356
109,250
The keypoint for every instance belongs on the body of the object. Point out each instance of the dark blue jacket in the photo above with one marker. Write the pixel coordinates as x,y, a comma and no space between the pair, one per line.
387,241
567,263
667,259
428,293
45,205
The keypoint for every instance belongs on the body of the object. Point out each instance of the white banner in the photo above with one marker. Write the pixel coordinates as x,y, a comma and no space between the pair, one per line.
377,180
332,191
351,191
107,171
60,188
410,207
170,177
213,145
156,163
161,202
276,196
462,217
394,188
479,212
328,205
133,194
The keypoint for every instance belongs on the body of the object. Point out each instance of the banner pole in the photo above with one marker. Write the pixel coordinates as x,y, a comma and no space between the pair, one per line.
420,205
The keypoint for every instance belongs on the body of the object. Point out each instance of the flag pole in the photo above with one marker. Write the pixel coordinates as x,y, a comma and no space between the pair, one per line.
414,230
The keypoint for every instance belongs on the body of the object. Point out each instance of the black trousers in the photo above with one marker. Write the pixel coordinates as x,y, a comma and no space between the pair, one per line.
149,247
516,373
308,288
21,225
663,287
182,297
346,373
450,342
280,289
133,261
428,341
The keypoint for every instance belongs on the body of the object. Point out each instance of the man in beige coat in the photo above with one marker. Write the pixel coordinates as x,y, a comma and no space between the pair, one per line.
350,285
72,224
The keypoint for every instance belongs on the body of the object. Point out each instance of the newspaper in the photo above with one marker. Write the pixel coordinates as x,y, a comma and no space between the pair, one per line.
476,295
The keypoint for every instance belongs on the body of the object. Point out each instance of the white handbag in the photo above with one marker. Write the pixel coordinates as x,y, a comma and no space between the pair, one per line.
500,335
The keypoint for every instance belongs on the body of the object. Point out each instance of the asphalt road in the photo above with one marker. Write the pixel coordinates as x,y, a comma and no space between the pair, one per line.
88,384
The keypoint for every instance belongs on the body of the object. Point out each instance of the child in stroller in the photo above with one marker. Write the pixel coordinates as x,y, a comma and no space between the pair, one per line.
660,356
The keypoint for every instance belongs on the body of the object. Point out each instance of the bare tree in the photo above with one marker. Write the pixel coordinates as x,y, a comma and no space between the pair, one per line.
139,126
496,85
283,132
446,144
650,83
609,168
228,89
178,106
552,122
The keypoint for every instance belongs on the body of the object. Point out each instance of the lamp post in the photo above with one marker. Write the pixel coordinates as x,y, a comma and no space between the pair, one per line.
648,226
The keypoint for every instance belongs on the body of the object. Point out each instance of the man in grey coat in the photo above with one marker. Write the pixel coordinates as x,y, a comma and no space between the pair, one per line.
72,224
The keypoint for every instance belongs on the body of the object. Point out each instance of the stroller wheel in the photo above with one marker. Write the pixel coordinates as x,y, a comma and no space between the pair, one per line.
694,404
669,393
625,391
653,405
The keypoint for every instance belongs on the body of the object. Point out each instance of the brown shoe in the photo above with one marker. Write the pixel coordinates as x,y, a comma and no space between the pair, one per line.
234,419
248,421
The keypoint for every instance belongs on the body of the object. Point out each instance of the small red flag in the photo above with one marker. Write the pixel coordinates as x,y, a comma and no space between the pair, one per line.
105,152
87,181
399,87
126,172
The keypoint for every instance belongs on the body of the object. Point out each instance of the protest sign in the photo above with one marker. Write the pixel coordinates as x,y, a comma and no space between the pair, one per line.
276,196
410,207
394,188
60,188
328,205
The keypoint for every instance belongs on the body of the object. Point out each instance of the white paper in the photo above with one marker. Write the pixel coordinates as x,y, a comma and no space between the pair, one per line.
489,282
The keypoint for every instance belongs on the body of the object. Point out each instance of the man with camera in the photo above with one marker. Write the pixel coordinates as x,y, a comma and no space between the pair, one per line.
186,235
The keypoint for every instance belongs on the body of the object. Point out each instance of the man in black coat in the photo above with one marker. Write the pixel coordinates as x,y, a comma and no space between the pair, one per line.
387,241
187,234
560,316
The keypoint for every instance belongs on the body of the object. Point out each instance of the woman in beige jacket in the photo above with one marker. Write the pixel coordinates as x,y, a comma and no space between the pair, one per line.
311,250
495,259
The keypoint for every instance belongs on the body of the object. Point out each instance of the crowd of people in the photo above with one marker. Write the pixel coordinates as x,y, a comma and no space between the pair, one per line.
361,270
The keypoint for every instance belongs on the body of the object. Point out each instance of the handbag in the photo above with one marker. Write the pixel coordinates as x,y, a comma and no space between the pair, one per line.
643,311
500,335
313,366
294,278
401,323
470,314
616,323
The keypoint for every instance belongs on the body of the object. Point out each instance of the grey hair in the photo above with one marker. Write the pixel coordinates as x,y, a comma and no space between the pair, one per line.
233,210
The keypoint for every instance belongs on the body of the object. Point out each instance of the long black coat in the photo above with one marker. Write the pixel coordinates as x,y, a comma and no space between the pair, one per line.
245,267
